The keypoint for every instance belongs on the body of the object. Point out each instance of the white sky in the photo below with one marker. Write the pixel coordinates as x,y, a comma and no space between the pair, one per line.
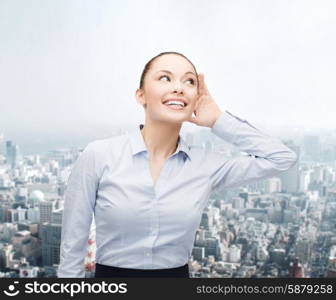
77,63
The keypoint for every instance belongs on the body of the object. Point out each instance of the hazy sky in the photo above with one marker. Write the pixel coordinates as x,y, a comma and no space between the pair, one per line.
74,65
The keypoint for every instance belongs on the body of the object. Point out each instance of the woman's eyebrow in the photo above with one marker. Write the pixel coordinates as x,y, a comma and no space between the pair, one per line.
172,73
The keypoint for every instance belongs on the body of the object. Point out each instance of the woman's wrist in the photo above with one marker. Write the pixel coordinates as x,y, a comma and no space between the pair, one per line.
217,116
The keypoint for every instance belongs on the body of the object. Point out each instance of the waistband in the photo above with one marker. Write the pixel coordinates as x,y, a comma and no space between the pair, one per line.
111,271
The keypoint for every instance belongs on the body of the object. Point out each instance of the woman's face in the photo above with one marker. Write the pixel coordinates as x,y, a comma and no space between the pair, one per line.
170,77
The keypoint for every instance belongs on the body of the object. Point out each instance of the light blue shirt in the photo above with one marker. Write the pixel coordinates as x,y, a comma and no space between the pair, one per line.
145,226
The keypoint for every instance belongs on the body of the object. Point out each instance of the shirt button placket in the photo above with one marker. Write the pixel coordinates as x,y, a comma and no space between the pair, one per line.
148,251
154,214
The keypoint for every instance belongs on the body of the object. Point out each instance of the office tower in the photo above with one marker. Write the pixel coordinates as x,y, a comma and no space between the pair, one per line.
5,253
316,175
303,249
12,154
46,209
51,242
328,175
234,254
22,195
9,152
12,215
206,220
311,148
245,195
290,179
33,214
238,202
56,216
304,181
21,214
198,253
212,247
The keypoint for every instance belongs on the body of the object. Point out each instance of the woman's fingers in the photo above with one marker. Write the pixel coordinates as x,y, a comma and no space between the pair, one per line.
203,90
200,84
198,102
192,119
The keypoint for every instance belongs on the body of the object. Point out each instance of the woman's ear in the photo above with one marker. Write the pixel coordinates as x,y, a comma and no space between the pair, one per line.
140,97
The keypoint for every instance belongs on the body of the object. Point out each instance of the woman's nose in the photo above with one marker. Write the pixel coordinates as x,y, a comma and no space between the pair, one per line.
177,87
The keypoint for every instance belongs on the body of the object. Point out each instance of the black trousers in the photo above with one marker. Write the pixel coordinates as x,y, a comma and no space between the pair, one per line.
111,272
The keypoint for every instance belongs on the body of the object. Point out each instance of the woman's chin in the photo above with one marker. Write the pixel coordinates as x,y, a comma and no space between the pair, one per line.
175,119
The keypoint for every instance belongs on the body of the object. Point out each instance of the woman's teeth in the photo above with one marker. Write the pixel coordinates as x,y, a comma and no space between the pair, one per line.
175,106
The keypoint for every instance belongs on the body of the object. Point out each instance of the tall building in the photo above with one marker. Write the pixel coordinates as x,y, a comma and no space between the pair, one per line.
238,202
303,249
46,209
290,179
51,242
245,195
317,174
56,217
198,253
206,220
311,146
12,154
212,247
33,214
234,254
304,181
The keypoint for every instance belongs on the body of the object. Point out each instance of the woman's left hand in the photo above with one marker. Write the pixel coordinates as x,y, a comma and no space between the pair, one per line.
206,110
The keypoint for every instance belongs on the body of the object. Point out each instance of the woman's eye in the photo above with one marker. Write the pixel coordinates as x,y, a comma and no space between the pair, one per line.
163,76
192,80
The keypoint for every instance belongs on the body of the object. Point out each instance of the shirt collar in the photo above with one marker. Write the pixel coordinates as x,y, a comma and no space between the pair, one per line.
138,143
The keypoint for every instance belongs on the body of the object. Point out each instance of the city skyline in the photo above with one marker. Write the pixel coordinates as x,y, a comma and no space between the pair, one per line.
282,226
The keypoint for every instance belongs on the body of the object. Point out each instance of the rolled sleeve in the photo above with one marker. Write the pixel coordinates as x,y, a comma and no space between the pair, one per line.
79,201
266,156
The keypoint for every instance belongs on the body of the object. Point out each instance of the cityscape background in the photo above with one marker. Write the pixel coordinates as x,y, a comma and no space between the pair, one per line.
68,75
283,226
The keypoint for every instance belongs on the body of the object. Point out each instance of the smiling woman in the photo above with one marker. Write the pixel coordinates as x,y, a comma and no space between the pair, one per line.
148,188
150,62
164,72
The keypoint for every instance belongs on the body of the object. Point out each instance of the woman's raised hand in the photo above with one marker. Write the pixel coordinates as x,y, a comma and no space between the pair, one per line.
206,109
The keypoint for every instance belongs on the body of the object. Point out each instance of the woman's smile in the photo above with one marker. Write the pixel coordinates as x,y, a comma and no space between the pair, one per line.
174,106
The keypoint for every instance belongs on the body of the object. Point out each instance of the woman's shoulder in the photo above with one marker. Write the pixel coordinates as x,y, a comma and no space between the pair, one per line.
113,139
108,142
106,150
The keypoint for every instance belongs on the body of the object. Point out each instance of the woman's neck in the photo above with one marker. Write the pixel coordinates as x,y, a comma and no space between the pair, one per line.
160,138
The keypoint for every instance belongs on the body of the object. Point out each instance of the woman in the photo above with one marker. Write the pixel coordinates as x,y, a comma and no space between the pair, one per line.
147,189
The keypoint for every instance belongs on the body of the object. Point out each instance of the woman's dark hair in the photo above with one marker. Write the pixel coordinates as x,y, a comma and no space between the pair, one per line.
150,62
